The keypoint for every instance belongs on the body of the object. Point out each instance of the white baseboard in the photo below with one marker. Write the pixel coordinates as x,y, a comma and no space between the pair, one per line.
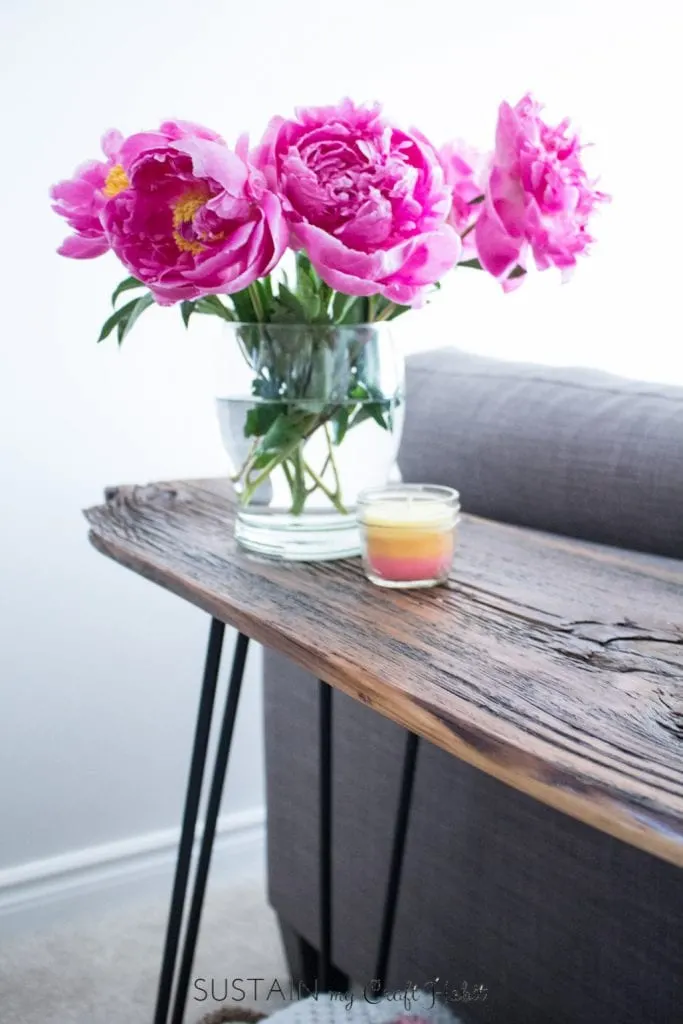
60,887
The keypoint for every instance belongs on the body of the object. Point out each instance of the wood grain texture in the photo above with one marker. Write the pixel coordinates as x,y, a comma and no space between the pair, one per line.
554,665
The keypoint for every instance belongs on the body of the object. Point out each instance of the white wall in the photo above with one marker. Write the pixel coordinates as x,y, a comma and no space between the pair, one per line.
99,670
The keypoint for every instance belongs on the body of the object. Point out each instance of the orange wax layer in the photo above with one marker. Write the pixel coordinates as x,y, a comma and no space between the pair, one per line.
409,553
408,542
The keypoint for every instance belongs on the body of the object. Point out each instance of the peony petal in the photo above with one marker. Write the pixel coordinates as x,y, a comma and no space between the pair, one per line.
73,192
242,147
498,251
135,145
346,283
425,259
404,294
221,256
111,144
327,251
176,129
77,247
277,229
216,162
370,227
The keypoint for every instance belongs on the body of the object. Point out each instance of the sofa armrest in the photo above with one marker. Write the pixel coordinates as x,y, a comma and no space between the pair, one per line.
572,451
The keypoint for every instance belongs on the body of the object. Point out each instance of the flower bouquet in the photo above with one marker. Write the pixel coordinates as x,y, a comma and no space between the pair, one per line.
373,217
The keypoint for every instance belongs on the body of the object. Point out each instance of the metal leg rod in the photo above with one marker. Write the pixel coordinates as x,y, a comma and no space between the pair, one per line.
396,866
194,787
213,807
325,823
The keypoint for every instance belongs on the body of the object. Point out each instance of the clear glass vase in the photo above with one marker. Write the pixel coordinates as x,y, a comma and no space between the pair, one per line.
310,415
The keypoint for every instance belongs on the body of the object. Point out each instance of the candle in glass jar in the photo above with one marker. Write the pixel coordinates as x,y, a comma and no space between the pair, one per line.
408,534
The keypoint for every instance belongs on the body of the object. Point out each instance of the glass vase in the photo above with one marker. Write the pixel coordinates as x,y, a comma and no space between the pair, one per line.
310,416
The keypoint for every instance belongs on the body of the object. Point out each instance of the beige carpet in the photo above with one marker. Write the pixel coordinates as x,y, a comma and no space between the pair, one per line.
105,970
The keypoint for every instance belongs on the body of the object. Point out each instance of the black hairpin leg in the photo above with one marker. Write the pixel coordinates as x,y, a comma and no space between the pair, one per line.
325,845
325,840
194,789
396,864
198,764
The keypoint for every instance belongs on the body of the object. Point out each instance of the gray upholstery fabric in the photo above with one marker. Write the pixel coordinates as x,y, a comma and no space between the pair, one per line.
571,451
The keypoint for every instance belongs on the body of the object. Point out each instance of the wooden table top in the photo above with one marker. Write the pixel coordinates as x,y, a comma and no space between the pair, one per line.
554,665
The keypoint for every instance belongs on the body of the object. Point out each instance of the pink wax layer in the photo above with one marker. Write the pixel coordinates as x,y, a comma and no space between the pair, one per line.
406,569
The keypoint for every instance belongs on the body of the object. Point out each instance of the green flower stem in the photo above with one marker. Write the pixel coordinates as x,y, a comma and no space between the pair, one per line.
333,496
251,486
331,459
386,313
299,494
244,468
255,297
296,469
314,486
288,473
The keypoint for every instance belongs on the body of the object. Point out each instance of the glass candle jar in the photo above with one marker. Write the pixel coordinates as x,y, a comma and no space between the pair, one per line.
408,534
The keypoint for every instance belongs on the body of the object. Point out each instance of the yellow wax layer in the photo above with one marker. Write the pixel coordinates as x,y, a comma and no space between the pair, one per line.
409,516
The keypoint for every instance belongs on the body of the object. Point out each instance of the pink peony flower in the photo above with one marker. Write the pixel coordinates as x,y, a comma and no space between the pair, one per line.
192,217
538,196
465,171
80,201
366,201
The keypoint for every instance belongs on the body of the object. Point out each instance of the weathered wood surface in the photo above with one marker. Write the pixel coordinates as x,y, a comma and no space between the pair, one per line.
553,665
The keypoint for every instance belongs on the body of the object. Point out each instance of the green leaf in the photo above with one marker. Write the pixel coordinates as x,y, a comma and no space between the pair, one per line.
139,307
281,432
267,286
125,286
398,311
244,307
340,423
292,303
262,460
379,411
265,289
209,305
325,294
476,200
312,292
260,388
474,264
212,305
387,310
187,308
517,272
121,314
259,419
347,309
376,410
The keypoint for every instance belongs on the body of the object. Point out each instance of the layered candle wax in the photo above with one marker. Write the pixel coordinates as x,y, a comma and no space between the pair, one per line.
408,534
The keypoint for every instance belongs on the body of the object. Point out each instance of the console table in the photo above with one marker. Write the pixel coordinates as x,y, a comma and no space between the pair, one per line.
554,665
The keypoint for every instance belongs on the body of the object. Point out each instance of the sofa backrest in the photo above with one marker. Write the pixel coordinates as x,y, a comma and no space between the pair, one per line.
572,451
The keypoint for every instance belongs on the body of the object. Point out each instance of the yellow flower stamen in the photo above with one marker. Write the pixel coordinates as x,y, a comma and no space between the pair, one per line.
184,210
187,205
116,181
185,245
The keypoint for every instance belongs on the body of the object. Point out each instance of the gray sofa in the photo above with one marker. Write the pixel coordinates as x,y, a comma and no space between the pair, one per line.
560,923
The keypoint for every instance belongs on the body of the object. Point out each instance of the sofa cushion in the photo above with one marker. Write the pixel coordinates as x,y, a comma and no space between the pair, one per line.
572,451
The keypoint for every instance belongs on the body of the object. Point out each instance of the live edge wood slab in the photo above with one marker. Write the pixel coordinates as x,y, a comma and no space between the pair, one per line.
555,666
